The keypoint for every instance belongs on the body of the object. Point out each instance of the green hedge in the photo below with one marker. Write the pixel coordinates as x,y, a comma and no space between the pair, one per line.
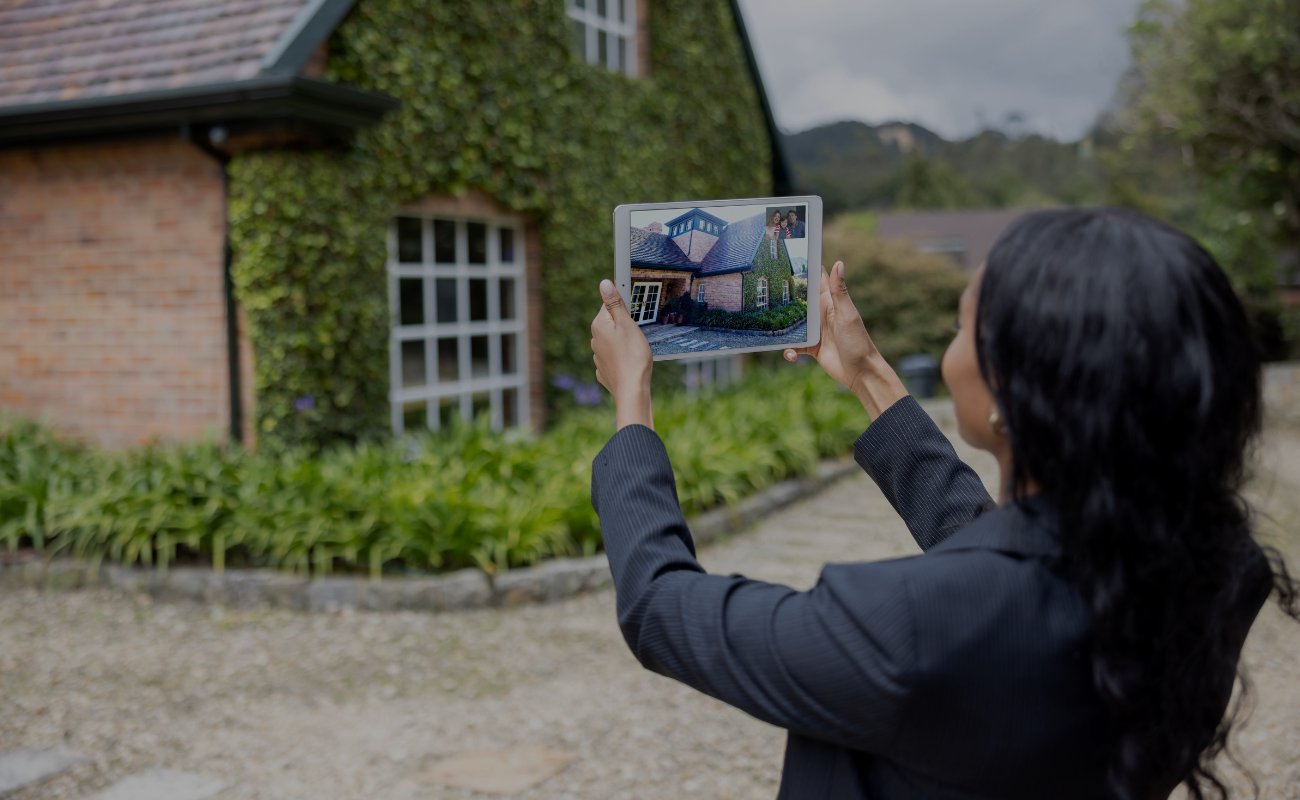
773,319
467,498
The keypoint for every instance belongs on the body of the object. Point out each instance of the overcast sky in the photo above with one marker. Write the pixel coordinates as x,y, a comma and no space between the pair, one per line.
954,66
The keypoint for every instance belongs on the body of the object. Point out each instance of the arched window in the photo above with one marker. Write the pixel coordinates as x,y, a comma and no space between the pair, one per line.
762,294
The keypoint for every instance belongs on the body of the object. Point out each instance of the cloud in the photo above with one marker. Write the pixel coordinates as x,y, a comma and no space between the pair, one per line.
952,65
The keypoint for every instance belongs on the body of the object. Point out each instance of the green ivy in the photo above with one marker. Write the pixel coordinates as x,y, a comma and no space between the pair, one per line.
765,266
493,101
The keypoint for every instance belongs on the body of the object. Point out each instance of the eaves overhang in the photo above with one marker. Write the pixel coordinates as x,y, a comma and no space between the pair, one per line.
265,102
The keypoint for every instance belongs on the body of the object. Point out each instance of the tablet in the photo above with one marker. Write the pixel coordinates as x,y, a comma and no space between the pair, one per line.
716,277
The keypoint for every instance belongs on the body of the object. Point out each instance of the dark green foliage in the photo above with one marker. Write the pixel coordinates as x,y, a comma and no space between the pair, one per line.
907,299
773,319
492,101
436,502
776,270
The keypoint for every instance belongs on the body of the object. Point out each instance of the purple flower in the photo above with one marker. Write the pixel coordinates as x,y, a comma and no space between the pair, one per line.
565,382
587,394
305,403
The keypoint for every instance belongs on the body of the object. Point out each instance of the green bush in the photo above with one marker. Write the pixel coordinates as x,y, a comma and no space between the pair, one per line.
773,319
468,497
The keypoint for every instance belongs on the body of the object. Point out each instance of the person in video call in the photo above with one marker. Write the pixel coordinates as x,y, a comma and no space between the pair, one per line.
1076,638
794,228
774,226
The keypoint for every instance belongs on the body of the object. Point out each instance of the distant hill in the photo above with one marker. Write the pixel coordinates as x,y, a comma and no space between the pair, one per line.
799,265
853,165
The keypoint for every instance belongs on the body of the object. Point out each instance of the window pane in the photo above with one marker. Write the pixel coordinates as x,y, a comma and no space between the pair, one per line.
622,10
413,363
410,240
481,403
415,416
477,232
478,356
446,291
579,39
411,301
507,298
622,54
448,361
448,411
478,299
509,357
600,8
507,245
579,3
509,407
602,48
444,241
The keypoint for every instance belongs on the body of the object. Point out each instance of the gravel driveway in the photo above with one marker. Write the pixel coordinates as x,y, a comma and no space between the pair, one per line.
357,705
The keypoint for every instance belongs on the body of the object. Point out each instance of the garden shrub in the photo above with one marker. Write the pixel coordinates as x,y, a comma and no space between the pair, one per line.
468,497
772,319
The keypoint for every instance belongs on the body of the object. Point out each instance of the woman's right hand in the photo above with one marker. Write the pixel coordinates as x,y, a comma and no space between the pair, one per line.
846,351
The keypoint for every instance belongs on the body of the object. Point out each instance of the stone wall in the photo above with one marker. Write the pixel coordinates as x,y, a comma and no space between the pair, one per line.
112,306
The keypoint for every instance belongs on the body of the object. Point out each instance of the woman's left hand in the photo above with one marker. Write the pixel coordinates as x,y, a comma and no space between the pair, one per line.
623,360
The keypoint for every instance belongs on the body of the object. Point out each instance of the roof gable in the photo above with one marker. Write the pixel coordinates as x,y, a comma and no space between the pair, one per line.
648,247
737,244
54,50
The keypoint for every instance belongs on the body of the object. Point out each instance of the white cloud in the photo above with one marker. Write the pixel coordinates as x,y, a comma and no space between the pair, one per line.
952,65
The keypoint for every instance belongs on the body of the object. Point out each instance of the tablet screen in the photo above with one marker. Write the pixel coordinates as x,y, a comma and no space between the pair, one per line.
709,278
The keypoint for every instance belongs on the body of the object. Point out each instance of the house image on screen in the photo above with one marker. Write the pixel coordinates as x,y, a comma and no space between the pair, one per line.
728,266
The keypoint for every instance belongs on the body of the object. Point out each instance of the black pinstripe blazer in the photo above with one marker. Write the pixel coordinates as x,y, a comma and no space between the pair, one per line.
960,673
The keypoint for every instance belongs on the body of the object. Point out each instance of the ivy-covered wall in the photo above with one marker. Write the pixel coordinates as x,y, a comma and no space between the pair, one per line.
774,269
493,100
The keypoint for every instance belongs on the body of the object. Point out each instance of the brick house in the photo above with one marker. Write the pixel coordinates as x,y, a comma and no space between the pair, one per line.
119,321
731,266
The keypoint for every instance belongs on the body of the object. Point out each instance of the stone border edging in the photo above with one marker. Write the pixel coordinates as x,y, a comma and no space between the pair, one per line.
547,582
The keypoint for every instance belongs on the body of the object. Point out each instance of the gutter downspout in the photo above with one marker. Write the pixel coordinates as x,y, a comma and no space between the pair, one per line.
782,180
228,287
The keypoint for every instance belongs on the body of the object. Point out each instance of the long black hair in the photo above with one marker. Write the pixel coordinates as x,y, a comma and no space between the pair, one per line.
1129,378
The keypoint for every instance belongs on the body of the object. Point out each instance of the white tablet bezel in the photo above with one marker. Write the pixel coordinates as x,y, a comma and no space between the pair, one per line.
813,233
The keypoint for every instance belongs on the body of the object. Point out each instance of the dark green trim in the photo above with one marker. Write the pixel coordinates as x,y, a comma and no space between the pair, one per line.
262,102
313,24
782,178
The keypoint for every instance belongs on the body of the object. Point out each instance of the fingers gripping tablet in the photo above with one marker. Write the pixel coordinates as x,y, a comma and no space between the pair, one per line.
700,277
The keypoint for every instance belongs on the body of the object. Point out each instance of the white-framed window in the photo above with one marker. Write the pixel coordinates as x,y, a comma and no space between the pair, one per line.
700,298
459,328
762,293
645,302
785,291
604,32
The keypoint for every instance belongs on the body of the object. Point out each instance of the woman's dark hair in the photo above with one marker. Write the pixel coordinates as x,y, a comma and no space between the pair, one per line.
1129,379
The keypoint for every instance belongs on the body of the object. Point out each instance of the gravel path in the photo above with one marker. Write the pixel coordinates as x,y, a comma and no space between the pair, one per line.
352,705
698,341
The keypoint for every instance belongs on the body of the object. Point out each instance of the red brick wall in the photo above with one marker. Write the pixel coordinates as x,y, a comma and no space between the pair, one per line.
112,318
722,291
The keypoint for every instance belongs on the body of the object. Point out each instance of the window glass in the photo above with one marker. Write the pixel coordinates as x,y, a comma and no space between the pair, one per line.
444,241
478,356
508,354
507,245
448,411
415,416
579,33
410,240
413,363
480,404
477,234
478,299
600,8
448,360
622,10
410,301
446,291
507,298
510,407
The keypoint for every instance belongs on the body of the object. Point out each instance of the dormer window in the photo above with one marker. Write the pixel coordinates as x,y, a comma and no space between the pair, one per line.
604,33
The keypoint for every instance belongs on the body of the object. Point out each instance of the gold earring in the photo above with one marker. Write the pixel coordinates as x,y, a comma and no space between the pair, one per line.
996,426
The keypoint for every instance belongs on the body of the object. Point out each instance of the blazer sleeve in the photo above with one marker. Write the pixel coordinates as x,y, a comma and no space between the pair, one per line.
832,663
916,467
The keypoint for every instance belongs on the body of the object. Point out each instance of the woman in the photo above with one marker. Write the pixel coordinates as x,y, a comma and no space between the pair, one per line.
1080,638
